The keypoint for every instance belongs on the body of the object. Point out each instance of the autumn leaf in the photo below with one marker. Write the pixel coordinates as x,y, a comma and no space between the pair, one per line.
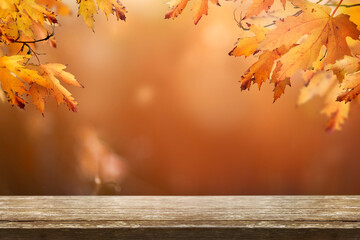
61,8
258,6
38,94
344,66
279,88
260,71
23,13
52,73
248,46
199,8
337,112
324,84
319,85
353,12
39,81
112,6
13,76
321,28
87,9
351,84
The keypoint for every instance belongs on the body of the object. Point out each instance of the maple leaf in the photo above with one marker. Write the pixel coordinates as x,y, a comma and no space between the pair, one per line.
279,88
87,9
38,94
23,13
43,80
258,6
321,28
248,46
260,71
52,73
13,77
200,8
314,40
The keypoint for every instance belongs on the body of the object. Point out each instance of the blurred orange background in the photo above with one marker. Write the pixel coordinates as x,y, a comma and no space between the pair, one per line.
162,113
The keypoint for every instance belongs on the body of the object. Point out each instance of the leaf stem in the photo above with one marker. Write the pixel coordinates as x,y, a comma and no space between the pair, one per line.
343,5
338,5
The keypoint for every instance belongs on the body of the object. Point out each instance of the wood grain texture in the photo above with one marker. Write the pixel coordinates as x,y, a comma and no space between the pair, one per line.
195,217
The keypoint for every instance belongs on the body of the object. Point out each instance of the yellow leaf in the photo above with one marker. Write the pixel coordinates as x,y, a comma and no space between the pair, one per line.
112,6
53,72
248,46
87,9
13,77
38,94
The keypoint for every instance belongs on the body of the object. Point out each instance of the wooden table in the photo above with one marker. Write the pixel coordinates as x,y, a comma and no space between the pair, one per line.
178,217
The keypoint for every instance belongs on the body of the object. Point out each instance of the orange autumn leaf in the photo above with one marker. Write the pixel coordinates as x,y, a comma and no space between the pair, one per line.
321,28
279,88
353,12
38,94
13,78
199,8
314,39
52,73
260,71
248,46
258,6
61,8
18,81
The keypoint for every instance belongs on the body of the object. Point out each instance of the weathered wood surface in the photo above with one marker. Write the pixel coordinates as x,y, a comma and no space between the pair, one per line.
200,217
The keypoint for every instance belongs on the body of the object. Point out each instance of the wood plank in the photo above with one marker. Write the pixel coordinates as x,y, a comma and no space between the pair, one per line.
177,217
